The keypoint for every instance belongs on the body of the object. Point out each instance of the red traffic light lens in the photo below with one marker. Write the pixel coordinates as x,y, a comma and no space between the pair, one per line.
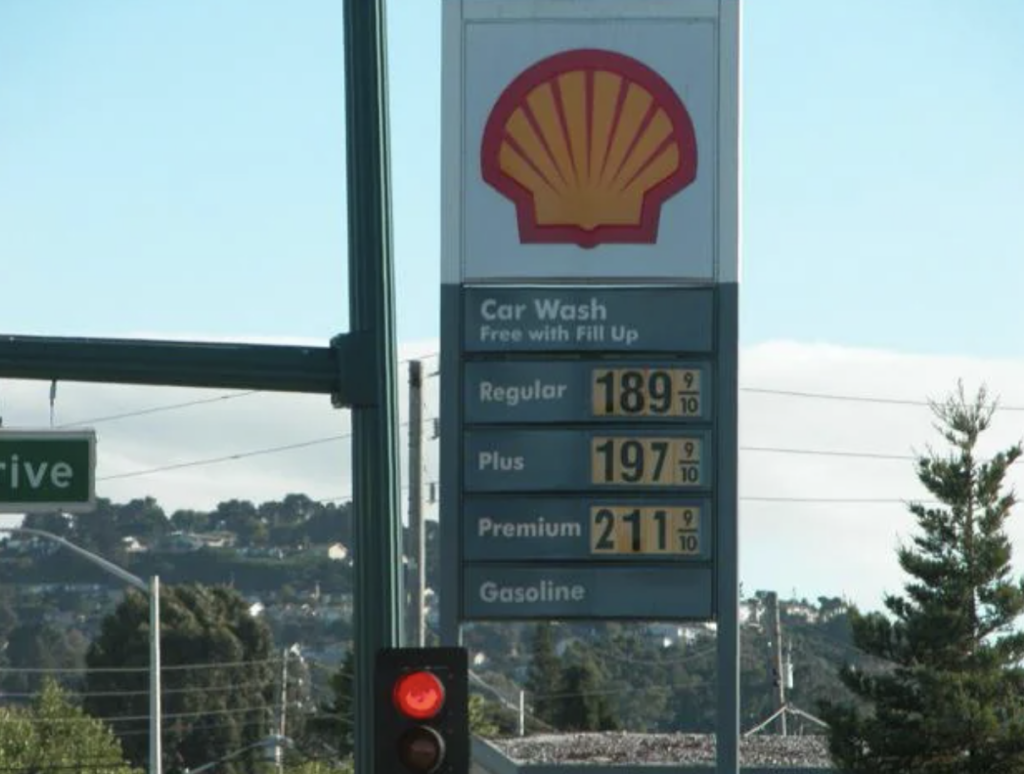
421,749
419,695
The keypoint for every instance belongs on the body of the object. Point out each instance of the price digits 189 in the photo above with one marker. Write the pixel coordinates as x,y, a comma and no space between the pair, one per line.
632,392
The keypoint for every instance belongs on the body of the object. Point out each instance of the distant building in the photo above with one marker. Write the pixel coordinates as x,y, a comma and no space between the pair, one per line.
182,542
800,610
32,546
751,613
132,545
674,634
334,551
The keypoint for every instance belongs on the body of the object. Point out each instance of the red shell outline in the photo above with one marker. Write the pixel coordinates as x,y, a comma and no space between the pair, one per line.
589,59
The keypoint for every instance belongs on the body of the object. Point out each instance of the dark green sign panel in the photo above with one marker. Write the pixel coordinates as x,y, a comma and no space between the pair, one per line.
44,470
574,319
562,391
494,591
640,459
608,529
583,460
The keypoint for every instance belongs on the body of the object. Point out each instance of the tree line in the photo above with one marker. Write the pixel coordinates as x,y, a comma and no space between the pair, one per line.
933,684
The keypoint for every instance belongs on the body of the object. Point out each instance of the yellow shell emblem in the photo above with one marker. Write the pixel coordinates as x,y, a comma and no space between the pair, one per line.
589,144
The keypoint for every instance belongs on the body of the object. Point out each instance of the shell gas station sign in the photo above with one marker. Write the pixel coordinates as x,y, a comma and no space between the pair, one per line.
589,144
589,310
576,147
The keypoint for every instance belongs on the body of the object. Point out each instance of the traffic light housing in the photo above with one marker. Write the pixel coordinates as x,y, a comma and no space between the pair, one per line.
421,708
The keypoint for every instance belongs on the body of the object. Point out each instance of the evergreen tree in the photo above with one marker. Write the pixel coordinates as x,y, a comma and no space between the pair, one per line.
330,727
52,735
543,676
582,706
950,698
483,716
218,675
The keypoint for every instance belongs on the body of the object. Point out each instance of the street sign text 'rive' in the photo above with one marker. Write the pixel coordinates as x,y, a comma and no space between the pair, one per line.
47,470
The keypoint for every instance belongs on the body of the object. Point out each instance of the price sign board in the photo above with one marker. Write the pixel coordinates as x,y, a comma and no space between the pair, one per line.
589,311
588,477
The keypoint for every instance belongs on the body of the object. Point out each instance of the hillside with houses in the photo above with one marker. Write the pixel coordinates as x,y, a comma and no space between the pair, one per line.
292,562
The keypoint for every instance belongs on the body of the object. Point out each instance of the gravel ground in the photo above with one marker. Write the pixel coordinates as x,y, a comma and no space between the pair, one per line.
612,748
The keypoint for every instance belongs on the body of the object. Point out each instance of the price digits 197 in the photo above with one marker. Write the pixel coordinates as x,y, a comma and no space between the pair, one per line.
632,392
646,461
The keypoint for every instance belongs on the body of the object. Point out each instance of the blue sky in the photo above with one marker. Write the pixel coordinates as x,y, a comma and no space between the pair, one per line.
178,169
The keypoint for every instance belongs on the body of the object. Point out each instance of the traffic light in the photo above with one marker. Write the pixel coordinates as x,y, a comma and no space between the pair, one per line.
421,708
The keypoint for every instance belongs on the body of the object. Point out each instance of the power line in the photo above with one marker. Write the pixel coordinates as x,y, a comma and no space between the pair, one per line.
828,453
621,691
840,500
656,662
170,730
227,458
853,398
163,691
79,766
159,409
166,716
197,402
757,390
778,499
231,457
343,436
165,668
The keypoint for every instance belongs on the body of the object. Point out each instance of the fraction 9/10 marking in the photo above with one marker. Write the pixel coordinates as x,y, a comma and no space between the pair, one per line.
623,529
645,392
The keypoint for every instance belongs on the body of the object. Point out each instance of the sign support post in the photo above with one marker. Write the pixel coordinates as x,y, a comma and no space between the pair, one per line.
377,619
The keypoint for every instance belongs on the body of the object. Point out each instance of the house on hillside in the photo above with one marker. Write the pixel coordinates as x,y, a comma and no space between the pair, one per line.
183,542
336,552
30,546
674,634
132,545
751,613
799,610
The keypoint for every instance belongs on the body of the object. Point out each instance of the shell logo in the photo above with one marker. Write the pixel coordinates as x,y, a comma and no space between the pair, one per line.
589,144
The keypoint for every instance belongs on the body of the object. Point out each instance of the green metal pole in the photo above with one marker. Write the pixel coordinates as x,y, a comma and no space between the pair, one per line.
378,580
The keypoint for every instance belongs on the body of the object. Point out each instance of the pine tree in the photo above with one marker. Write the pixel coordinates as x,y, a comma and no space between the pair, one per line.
949,699
327,731
52,734
543,676
583,706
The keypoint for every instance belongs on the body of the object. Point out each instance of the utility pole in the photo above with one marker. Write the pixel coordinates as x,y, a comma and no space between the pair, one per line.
283,715
417,622
777,668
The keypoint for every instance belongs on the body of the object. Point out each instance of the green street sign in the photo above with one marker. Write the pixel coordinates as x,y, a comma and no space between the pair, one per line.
47,470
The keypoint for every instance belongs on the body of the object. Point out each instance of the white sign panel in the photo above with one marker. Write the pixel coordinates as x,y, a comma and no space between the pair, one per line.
589,145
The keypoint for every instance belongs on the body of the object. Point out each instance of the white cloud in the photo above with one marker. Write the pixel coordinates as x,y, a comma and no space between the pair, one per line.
847,548
812,547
